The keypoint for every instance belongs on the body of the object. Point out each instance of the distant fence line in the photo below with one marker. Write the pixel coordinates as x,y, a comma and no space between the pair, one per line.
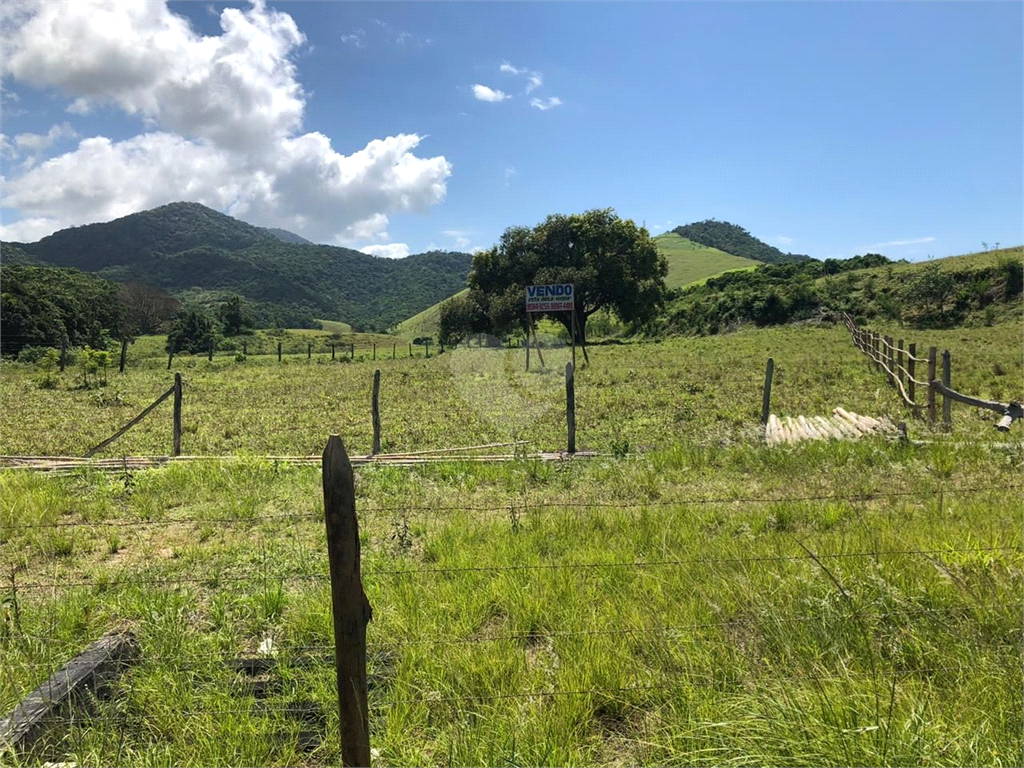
899,363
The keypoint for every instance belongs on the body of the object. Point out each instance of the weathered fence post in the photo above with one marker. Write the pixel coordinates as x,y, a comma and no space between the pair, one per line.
426,345
947,420
570,405
931,390
410,349
170,354
332,352
766,395
899,361
351,609
376,412
279,351
309,351
352,351
527,352
210,355
177,414
911,387
124,355
375,350
875,349
889,356
64,351
245,349
394,350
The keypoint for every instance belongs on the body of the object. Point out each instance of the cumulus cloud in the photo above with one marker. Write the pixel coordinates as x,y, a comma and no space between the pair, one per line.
37,142
544,104
483,93
535,82
223,117
389,251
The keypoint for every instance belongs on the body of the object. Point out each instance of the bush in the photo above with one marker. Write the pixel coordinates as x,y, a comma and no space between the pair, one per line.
33,355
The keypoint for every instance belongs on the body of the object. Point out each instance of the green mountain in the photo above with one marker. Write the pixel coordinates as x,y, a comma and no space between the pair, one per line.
735,240
202,256
690,262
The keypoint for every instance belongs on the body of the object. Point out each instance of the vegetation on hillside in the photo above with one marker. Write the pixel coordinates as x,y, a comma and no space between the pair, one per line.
735,240
204,257
929,295
40,306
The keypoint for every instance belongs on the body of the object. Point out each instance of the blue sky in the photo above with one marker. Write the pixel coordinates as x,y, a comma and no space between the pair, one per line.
828,129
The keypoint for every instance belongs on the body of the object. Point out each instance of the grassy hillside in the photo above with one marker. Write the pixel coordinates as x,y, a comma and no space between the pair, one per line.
690,262
200,254
964,290
424,323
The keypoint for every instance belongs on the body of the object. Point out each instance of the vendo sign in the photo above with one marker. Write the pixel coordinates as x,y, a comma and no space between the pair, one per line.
550,298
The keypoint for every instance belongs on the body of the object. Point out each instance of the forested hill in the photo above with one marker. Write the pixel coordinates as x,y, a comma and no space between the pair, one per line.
202,256
735,240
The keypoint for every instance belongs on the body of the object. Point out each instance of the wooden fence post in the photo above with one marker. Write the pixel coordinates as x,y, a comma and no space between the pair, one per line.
911,365
332,351
931,390
766,395
309,351
210,355
394,349
527,351
410,349
888,356
570,405
376,412
875,348
177,414
352,351
64,351
245,349
947,420
170,354
899,361
279,351
375,350
124,355
351,609
427,347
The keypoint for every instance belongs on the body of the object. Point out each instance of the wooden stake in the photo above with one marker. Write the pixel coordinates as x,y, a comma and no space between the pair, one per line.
375,350
124,355
899,361
351,609
245,349
177,414
911,354
332,352
947,419
64,352
394,349
570,405
170,354
888,356
279,351
931,390
574,338
376,412
766,394
210,355
309,351
352,351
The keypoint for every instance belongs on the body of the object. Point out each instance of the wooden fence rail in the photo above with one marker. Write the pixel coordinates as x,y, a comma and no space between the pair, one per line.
889,356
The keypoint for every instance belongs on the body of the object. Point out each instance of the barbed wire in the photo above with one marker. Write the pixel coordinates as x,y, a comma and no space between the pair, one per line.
264,577
524,505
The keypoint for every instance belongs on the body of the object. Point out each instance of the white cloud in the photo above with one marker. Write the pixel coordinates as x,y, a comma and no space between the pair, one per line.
535,82
783,240
506,67
223,119
483,93
36,142
27,230
545,104
391,251
357,38
898,243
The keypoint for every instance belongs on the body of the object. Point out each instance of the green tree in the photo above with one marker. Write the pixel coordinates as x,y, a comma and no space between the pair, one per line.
612,263
231,316
193,330
459,317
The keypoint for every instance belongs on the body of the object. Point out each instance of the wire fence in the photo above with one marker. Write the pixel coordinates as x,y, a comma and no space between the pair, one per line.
59,586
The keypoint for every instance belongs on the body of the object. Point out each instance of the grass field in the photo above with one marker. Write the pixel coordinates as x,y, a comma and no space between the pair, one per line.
654,606
690,262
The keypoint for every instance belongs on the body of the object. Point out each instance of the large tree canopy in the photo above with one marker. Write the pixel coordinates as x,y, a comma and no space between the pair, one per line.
612,263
